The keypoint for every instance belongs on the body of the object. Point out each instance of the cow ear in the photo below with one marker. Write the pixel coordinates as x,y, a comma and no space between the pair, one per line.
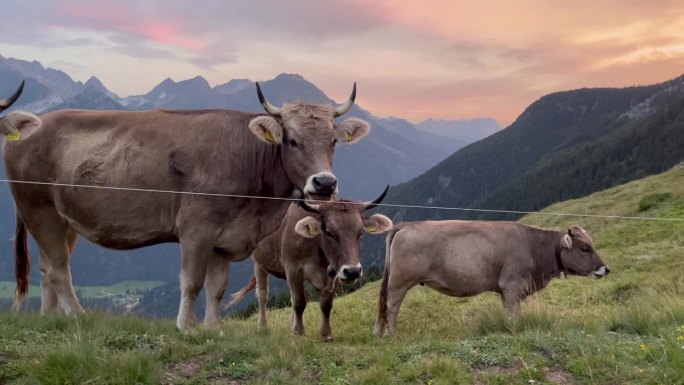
377,223
19,125
352,130
566,241
308,227
266,129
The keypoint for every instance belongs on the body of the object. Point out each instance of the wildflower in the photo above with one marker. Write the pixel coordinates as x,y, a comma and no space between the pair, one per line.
642,346
680,338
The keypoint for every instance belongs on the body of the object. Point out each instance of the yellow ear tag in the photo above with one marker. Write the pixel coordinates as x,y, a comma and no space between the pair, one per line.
312,231
13,135
371,228
269,137
349,137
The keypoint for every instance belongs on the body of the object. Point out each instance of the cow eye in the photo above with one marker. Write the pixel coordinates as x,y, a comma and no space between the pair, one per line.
585,249
293,143
329,233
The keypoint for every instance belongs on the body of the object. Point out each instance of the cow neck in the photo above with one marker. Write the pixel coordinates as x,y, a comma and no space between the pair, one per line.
559,261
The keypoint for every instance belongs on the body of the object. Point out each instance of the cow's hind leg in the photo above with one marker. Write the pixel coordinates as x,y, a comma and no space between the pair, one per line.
395,296
262,293
215,283
48,295
512,293
56,241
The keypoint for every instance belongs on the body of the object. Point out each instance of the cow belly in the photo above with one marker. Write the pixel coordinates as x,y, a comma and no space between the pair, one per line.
118,220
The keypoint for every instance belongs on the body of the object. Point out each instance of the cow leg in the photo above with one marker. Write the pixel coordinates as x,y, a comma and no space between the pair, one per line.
326,304
512,294
195,254
48,295
262,293
395,296
298,297
216,280
53,236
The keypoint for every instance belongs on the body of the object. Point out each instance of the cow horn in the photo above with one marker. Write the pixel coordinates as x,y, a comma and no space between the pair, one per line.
370,205
346,106
309,208
5,103
270,108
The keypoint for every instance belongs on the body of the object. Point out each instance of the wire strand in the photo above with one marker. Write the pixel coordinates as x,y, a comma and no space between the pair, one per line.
379,204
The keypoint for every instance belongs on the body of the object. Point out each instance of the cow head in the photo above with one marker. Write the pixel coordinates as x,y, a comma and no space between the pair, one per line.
18,124
339,226
578,254
307,134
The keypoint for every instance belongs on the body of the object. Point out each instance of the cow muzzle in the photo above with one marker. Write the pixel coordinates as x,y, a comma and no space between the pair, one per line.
321,185
601,272
348,274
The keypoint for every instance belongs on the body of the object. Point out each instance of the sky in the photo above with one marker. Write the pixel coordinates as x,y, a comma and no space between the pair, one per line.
411,59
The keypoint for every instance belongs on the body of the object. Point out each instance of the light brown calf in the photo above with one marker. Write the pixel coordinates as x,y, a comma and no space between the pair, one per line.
466,258
322,249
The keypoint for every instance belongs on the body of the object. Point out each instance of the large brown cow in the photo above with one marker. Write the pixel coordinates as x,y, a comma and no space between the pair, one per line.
466,258
209,151
321,249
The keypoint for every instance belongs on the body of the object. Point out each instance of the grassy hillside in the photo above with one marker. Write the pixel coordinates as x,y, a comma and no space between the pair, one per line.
627,328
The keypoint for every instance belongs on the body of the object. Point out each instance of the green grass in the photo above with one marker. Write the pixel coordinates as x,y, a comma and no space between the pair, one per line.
117,289
625,329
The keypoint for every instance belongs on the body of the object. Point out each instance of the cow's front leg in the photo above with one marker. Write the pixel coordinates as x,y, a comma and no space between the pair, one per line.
215,283
195,254
298,298
326,302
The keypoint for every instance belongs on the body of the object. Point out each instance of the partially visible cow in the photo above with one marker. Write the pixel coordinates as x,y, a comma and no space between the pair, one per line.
321,249
466,258
17,123
218,152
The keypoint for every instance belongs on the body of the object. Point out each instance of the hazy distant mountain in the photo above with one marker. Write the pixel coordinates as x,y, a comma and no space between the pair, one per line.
96,84
89,99
195,93
234,86
442,144
466,131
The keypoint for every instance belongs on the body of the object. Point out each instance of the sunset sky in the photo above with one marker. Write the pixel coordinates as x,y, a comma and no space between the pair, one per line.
412,59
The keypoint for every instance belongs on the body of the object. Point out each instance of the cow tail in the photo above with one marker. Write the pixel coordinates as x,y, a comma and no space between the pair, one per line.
239,295
22,263
382,301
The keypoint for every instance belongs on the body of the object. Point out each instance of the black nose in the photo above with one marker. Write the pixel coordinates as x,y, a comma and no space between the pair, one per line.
352,272
324,184
607,270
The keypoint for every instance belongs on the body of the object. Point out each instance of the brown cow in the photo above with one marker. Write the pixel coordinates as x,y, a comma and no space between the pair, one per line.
297,253
210,151
466,258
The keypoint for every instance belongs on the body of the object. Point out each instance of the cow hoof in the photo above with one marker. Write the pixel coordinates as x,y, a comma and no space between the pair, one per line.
327,338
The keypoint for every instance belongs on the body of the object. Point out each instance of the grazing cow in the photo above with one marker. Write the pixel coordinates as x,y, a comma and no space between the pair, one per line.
466,258
217,152
322,249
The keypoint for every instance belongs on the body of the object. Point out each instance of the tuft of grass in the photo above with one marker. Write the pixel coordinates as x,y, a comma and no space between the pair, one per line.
652,200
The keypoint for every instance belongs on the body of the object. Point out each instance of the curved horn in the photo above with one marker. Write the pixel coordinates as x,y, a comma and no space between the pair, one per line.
5,103
307,207
370,205
270,108
346,106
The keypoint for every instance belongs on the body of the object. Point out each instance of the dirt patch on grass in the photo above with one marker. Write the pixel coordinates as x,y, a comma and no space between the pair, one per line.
175,370
558,376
